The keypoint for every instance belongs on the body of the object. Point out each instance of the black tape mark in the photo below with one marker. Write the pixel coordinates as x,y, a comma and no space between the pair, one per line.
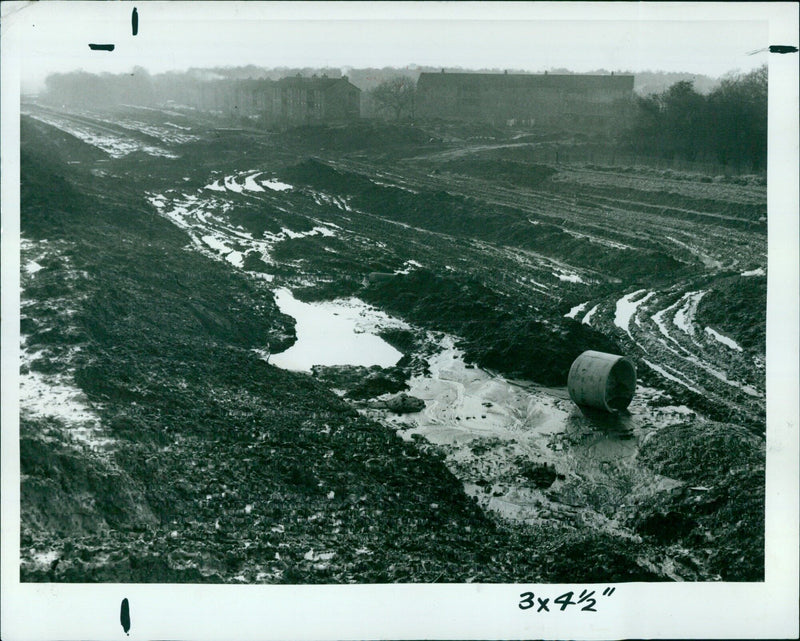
94,47
135,21
125,615
782,49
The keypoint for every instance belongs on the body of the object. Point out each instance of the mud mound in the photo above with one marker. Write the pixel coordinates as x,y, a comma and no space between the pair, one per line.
47,198
362,382
319,174
538,350
58,145
265,218
496,332
737,307
542,474
601,558
469,218
515,173
74,492
719,513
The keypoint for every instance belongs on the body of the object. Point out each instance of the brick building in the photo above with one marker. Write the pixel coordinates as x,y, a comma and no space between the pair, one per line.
296,100
550,100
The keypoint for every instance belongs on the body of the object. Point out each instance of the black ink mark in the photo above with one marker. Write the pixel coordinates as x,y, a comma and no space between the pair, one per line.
94,47
774,49
564,600
543,604
125,615
608,591
135,21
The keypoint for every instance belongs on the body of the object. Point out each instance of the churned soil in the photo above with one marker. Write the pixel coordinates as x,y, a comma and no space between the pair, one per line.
182,455
215,466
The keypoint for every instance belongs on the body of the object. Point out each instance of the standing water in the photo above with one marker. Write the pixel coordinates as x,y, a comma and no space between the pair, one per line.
337,332
526,453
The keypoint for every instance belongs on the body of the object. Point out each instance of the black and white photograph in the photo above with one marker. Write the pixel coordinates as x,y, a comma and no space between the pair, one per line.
456,305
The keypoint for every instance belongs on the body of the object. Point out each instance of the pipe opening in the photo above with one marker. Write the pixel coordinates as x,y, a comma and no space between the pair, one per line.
620,385
604,381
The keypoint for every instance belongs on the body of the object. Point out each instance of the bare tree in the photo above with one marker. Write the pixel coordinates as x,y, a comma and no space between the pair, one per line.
396,96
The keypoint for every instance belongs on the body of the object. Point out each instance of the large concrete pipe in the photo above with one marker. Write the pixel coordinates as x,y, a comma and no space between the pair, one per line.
604,381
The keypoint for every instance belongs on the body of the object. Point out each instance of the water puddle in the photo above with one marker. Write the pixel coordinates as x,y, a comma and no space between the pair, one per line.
246,182
340,332
587,319
626,309
684,317
720,338
526,452
573,313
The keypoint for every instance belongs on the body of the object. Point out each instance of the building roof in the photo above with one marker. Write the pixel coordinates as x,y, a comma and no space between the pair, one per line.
294,82
518,80
315,82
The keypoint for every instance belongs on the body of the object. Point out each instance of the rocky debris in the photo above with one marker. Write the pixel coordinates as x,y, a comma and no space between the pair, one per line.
400,404
482,445
666,527
359,382
543,475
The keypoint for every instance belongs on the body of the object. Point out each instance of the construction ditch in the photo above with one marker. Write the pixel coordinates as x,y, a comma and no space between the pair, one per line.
526,453
227,469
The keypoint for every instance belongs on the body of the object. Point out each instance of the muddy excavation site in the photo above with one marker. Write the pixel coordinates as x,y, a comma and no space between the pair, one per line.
341,355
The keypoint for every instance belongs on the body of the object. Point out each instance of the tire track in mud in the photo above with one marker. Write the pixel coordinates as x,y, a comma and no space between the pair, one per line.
205,215
695,363
207,212
671,345
597,463
640,224
576,221
115,140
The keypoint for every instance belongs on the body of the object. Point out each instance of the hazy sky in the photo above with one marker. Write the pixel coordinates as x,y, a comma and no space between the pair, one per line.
702,38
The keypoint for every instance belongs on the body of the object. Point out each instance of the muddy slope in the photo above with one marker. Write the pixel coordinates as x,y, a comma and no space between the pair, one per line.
497,332
203,463
157,445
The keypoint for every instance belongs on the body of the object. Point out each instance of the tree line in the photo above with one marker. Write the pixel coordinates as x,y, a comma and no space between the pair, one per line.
728,125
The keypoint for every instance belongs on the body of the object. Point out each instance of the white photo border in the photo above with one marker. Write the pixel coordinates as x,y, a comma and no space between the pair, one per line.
487,611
